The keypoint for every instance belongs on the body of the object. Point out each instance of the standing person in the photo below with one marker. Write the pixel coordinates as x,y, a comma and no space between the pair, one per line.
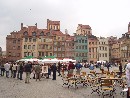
7,67
18,70
59,68
27,68
49,71
54,68
21,69
120,69
37,71
78,68
11,66
14,68
71,67
108,66
2,70
102,67
128,79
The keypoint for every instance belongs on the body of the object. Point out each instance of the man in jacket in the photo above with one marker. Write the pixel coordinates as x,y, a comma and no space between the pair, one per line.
27,69
37,71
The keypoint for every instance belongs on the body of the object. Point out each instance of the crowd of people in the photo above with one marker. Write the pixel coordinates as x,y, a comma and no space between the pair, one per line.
16,70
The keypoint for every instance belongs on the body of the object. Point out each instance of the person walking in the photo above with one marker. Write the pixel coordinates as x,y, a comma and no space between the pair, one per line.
27,68
54,68
7,67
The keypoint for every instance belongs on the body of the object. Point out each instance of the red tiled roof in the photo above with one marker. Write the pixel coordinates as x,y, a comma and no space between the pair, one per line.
84,26
59,33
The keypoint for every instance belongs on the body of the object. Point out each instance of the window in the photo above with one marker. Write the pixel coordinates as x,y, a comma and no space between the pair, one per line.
29,46
85,41
26,39
25,54
58,38
33,47
62,38
40,54
34,39
18,47
14,41
89,49
30,39
105,54
106,48
25,46
82,47
82,54
25,33
33,33
42,33
50,54
18,41
82,41
86,47
79,41
100,48
76,47
79,47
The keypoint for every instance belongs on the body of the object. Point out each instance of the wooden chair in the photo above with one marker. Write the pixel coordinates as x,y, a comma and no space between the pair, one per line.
107,85
65,79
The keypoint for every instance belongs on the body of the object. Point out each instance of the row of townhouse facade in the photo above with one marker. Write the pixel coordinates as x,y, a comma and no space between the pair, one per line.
32,41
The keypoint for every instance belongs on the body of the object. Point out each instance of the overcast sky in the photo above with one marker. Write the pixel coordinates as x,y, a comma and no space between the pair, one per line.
106,17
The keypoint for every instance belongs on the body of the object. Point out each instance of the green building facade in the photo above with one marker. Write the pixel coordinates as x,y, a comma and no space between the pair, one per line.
81,48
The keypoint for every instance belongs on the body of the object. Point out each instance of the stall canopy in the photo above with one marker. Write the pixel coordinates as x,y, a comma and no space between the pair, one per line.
28,57
49,57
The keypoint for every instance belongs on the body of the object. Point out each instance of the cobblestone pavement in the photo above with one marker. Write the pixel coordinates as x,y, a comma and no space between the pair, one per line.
46,88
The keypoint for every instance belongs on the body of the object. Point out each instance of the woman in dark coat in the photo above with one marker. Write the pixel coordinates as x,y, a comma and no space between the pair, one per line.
54,69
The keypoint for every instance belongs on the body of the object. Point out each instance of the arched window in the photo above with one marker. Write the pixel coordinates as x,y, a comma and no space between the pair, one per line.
25,33
42,33
34,33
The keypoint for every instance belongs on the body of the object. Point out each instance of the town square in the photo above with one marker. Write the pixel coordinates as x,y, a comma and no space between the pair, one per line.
65,49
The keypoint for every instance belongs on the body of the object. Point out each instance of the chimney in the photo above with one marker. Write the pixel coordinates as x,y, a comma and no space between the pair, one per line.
21,26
